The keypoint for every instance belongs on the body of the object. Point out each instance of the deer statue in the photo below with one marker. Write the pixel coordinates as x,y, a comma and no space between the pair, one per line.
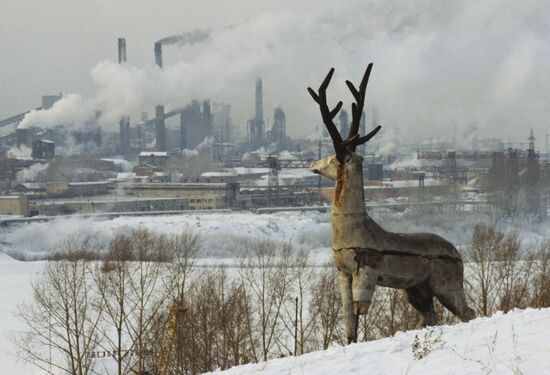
365,254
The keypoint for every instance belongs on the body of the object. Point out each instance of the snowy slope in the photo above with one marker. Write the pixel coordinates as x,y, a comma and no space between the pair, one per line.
513,343
220,231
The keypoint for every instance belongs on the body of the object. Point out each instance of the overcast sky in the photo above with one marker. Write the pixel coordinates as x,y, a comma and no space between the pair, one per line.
440,68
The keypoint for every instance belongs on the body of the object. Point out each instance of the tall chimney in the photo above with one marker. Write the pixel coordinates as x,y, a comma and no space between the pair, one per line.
124,122
259,101
158,54
121,50
160,130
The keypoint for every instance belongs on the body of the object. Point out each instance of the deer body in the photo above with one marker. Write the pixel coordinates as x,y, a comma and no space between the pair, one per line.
366,255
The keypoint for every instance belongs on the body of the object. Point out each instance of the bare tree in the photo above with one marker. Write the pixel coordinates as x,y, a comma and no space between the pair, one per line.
513,265
482,255
145,294
185,248
299,324
61,325
265,271
326,304
112,281
540,281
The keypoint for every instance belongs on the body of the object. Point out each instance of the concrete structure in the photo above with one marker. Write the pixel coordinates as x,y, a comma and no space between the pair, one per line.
14,205
365,254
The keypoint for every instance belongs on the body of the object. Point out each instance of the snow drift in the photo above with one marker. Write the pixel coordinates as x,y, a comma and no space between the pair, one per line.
513,343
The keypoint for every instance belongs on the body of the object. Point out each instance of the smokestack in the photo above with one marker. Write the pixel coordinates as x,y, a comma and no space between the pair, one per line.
158,54
124,123
259,101
160,131
531,142
121,50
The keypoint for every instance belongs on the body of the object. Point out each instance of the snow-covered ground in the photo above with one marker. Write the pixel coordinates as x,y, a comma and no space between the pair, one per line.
513,343
221,232
15,286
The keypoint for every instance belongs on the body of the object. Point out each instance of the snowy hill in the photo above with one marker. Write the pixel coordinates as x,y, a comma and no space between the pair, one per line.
513,343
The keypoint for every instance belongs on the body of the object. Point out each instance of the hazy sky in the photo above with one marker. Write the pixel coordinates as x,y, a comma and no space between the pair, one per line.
439,67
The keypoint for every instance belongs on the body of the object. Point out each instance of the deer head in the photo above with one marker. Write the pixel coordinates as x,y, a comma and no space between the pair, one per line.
344,149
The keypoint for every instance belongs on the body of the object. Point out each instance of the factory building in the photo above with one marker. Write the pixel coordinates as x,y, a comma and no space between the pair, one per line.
195,124
199,195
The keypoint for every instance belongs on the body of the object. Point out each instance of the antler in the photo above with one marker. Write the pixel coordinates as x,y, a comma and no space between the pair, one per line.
353,139
320,98
357,107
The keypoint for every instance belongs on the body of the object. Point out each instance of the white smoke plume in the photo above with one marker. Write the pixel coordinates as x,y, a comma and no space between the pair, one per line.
31,173
411,162
71,110
189,38
438,66
201,148
20,152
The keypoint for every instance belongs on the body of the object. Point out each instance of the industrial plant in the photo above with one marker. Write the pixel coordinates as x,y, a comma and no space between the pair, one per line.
195,157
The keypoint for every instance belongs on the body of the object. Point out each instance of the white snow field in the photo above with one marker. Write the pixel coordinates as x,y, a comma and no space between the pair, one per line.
15,287
513,343
220,231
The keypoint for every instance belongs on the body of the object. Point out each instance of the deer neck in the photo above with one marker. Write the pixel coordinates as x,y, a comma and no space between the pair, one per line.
349,198
352,227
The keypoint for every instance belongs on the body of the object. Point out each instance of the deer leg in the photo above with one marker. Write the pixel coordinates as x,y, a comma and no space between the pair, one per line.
455,302
363,285
350,318
447,286
421,298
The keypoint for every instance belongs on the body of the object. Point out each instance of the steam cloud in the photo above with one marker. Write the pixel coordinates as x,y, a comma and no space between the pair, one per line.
189,38
438,67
